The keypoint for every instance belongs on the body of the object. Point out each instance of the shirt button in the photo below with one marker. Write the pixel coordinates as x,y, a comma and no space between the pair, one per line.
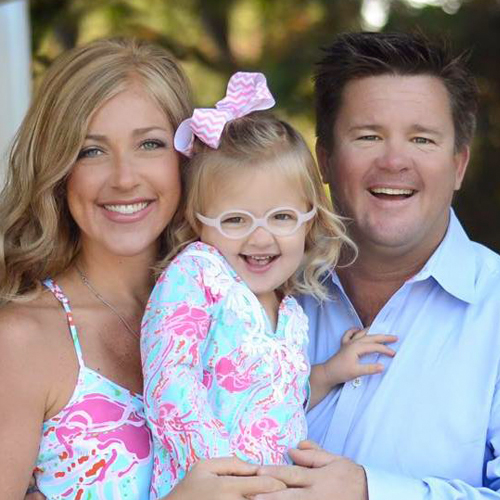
356,382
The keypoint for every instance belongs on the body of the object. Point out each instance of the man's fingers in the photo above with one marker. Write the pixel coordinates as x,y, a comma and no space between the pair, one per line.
312,458
227,466
254,485
308,444
291,475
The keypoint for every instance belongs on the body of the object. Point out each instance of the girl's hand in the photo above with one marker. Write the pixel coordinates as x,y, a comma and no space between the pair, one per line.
345,364
227,478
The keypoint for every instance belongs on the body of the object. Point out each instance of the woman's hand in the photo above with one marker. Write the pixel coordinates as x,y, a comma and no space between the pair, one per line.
227,478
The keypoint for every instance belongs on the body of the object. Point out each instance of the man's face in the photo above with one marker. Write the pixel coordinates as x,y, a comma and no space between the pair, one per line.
393,168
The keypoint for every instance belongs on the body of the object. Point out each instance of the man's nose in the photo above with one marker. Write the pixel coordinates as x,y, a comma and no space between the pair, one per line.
394,156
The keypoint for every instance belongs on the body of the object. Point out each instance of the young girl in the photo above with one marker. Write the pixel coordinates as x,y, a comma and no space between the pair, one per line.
223,340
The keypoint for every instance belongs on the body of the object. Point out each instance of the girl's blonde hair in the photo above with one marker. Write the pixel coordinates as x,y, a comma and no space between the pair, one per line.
38,237
259,140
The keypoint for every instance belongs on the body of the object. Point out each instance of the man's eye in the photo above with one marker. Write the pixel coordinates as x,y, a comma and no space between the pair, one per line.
422,140
90,152
152,144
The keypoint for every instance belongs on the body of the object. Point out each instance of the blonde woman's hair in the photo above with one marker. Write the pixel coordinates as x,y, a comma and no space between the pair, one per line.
262,141
38,237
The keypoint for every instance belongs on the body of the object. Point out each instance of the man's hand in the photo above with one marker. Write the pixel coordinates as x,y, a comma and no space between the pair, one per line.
317,475
226,478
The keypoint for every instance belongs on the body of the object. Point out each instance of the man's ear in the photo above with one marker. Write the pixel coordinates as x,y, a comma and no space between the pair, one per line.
323,162
461,160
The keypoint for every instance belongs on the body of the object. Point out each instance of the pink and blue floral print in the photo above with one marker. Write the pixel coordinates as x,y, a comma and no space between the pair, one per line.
218,380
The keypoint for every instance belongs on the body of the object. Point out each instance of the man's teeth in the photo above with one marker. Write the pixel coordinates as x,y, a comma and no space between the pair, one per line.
392,191
127,209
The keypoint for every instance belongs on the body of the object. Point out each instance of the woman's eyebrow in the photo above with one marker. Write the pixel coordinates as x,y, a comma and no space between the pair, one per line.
145,130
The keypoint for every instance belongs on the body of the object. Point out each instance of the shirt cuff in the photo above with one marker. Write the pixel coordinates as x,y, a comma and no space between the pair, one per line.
383,485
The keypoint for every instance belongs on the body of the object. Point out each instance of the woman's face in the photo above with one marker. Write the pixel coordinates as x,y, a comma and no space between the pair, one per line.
125,185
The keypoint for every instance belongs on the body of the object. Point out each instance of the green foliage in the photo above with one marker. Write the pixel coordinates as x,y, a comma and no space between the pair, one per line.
282,38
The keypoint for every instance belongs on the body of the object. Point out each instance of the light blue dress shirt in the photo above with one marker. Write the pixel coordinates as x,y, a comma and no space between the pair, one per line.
429,426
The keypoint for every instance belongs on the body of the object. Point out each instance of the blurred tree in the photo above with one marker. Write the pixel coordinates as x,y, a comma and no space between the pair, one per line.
282,38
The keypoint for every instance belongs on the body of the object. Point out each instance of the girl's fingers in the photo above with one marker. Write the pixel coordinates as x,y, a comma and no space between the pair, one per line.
364,349
369,369
353,334
380,338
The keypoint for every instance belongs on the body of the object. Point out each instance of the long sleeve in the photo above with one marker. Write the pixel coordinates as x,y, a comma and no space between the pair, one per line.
174,332
384,485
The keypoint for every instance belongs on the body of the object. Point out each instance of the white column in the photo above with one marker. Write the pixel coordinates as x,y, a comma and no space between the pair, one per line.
15,74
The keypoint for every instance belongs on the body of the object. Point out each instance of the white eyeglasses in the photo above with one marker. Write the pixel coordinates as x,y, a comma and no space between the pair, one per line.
235,224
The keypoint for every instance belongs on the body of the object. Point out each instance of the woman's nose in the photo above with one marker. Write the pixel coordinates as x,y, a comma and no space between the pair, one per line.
125,173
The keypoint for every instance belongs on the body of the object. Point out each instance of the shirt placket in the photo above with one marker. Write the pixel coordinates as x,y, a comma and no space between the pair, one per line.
353,390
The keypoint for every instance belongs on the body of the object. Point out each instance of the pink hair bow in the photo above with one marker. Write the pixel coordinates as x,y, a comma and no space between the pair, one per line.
246,92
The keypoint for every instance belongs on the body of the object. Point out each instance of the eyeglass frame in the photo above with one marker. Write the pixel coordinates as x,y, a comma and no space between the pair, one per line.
302,217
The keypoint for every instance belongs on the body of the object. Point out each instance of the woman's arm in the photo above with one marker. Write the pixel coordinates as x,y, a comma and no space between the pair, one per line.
23,395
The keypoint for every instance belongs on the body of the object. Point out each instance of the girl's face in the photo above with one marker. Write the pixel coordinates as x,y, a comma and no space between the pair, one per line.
125,185
264,261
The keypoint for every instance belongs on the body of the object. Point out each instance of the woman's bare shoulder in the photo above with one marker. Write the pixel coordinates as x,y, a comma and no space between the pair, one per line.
30,324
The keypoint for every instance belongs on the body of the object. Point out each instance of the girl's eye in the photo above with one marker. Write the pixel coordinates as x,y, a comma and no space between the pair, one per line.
284,216
233,220
90,152
152,144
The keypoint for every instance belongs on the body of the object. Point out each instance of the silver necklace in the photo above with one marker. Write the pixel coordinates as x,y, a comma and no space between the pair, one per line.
86,282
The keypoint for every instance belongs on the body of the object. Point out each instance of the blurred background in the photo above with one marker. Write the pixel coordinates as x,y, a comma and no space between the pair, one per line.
282,38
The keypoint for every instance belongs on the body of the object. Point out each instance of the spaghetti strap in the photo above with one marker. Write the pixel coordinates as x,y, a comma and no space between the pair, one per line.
59,295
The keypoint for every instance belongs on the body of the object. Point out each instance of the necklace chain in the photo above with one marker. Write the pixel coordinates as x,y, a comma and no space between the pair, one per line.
86,282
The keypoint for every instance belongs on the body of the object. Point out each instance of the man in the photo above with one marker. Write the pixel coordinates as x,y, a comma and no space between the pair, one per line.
396,116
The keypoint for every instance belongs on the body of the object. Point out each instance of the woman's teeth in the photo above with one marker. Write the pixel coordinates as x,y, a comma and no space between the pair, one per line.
127,209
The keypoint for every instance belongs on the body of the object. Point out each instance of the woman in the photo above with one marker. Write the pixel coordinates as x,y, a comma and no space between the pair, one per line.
93,183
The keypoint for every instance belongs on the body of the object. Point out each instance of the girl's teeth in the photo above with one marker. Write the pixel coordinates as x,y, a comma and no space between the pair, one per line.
127,209
259,261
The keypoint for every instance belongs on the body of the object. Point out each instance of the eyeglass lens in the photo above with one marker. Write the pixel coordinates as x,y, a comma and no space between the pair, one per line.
280,223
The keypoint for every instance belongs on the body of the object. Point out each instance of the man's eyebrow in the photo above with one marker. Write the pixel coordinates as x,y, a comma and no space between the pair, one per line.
428,130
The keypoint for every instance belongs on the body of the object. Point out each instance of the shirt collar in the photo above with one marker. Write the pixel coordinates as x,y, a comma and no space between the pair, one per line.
452,265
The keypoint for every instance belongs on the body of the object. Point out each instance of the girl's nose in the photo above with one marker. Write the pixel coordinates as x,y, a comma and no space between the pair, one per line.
261,237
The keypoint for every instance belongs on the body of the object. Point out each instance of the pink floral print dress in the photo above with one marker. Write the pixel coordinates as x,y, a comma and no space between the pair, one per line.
98,447
218,380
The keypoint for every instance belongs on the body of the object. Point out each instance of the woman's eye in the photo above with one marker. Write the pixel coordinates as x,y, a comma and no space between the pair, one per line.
370,137
90,152
152,144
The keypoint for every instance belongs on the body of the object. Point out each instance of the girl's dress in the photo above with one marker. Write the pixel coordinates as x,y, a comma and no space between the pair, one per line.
218,380
98,446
